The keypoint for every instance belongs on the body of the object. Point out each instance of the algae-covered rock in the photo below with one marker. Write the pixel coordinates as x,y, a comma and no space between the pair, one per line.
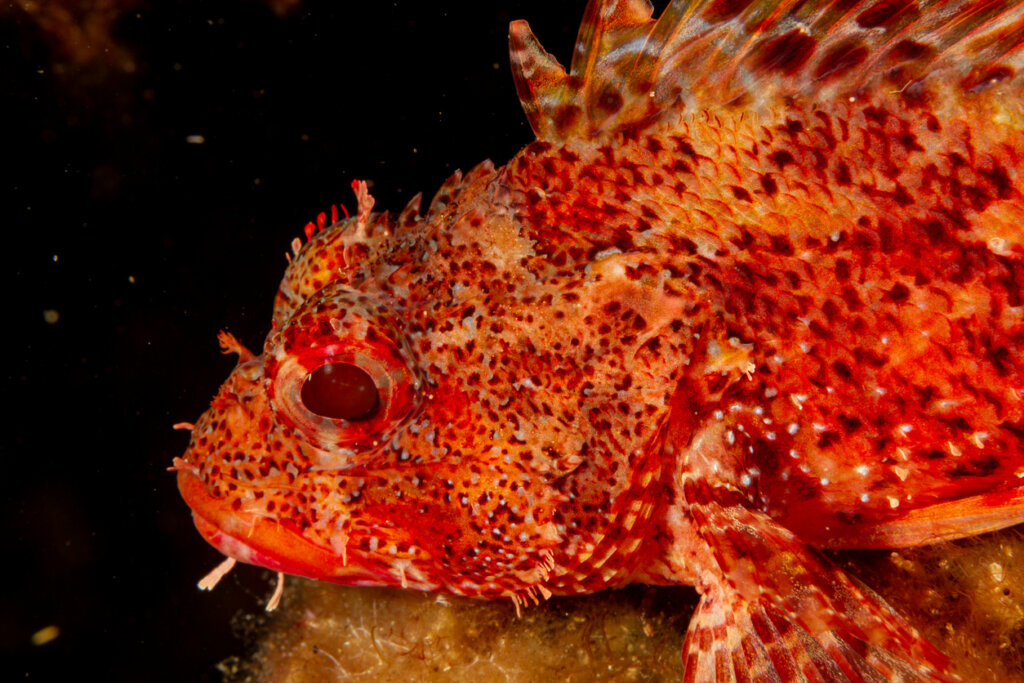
334,633
967,597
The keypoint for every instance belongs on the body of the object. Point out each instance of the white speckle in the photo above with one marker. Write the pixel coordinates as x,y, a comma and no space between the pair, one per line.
745,480
793,454
374,542
996,570
195,139
719,414
862,470
863,497
906,428
771,392
730,437
770,436
834,236
793,428
885,339
824,481
758,410
804,348
893,502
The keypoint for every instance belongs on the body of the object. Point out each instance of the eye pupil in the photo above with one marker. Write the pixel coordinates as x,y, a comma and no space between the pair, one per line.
340,391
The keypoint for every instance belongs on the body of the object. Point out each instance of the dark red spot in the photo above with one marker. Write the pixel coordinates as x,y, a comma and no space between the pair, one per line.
740,193
979,467
982,77
887,12
901,196
781,158
340,391
831,310
819,330
876,115
724,10
842,270
840,60
609,101
908,50
1000,179
786,54
769,185
899,293
843,176
780,244
793,127
567,117
850,423
828,439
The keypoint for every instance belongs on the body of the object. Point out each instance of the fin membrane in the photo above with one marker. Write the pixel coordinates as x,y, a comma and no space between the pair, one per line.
628,70
774,610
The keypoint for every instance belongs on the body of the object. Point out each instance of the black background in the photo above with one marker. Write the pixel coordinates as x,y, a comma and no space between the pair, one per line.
145,245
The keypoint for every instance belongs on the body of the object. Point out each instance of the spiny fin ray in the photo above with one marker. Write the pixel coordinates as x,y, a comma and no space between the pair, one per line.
773,609
629,70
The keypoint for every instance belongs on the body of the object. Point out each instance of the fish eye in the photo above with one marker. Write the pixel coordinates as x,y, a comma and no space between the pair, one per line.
340,391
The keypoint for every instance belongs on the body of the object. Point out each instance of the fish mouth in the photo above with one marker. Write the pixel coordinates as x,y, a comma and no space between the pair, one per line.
269,543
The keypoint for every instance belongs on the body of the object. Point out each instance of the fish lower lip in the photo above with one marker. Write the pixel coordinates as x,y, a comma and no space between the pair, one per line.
264,542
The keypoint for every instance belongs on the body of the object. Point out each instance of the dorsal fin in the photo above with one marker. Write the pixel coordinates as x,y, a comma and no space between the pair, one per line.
628,70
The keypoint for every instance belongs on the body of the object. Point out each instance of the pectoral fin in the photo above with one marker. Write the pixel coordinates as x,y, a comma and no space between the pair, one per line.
774,610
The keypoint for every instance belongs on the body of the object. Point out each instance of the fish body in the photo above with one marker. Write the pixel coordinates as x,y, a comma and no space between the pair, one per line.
755,290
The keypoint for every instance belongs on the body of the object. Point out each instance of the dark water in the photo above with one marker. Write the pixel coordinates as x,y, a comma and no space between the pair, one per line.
127,247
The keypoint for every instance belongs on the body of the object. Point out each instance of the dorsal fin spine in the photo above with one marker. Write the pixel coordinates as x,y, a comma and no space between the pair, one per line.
628,70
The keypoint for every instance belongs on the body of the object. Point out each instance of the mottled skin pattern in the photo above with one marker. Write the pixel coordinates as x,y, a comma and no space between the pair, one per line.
680,355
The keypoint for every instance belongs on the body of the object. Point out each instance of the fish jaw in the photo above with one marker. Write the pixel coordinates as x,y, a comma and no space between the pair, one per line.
277,545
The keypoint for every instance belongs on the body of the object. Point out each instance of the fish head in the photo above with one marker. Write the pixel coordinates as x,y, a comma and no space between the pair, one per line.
432,411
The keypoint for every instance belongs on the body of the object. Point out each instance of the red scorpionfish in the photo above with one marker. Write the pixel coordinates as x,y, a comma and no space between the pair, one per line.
754,291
